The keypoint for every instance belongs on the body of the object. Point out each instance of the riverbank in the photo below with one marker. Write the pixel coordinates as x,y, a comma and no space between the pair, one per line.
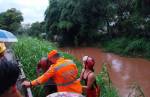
126,46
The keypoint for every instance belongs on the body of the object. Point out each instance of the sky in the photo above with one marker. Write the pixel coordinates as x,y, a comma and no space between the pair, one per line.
32,10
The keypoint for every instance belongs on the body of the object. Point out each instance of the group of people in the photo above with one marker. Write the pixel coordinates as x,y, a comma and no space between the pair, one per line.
60,75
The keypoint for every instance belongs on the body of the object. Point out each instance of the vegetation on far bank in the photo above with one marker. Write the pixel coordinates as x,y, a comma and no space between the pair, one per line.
126,46
30,50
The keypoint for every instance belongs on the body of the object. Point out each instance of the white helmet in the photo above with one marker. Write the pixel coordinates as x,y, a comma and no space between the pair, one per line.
84,58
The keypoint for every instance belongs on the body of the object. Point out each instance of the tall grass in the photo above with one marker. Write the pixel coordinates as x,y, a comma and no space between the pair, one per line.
30,50
128,46
103,79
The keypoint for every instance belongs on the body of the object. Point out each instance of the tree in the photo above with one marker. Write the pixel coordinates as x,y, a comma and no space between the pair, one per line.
74,20
24,29
130,18
11,19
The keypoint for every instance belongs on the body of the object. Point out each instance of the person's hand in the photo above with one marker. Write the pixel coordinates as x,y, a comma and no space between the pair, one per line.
27,84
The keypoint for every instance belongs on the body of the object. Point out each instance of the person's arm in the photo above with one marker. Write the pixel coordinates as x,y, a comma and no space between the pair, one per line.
91,79
81,75
40,80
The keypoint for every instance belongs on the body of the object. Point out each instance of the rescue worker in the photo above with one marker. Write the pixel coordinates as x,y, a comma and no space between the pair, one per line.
63,71
9,73
91,88
50,86
2,49
43,65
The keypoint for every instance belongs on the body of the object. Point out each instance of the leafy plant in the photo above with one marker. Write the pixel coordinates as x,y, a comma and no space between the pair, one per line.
103,79
136,46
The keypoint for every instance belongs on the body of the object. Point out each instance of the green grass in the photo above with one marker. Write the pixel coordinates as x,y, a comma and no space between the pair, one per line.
30,50
128,46
107,89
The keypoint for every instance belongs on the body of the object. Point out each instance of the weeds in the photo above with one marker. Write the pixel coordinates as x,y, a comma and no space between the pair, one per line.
107,89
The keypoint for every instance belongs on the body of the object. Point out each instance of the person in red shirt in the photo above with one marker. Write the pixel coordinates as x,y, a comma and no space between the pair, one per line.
43,65
88,76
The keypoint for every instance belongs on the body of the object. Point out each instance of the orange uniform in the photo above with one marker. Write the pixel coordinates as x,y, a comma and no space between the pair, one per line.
64,73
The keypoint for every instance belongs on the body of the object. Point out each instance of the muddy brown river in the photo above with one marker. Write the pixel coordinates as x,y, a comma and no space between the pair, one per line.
126,73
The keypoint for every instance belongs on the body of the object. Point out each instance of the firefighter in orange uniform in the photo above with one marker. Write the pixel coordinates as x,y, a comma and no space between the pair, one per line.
63,71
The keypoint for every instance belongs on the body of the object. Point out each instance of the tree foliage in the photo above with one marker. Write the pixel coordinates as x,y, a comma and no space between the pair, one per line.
132,18
11,19
78,21
36,29
73,20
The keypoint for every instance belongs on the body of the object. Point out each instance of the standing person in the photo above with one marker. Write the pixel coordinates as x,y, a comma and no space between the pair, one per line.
87,74
9,73
63,71
50,86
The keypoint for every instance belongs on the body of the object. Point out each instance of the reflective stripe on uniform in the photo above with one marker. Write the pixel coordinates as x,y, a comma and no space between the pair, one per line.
66,63
67,83
69,62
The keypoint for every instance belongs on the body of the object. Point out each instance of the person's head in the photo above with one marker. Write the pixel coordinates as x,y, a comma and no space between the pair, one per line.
9,72
43,60
84,58
88,62
2,49
53,56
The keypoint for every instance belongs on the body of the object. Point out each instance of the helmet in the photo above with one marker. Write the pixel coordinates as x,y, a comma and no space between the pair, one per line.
84,58
52,53
89,62
2,47
43,61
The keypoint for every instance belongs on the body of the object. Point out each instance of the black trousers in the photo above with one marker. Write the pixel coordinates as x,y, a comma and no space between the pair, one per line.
50,87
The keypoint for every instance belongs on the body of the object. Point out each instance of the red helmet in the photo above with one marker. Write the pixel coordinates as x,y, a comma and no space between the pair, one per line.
89,63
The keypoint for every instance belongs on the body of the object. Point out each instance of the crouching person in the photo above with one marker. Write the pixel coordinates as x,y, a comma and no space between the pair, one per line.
64,73
43,65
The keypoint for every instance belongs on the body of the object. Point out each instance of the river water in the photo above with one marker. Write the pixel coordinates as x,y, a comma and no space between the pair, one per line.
126,73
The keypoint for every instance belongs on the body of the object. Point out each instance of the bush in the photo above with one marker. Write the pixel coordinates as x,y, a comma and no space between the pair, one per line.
115,45
136,47
107,89
128,46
